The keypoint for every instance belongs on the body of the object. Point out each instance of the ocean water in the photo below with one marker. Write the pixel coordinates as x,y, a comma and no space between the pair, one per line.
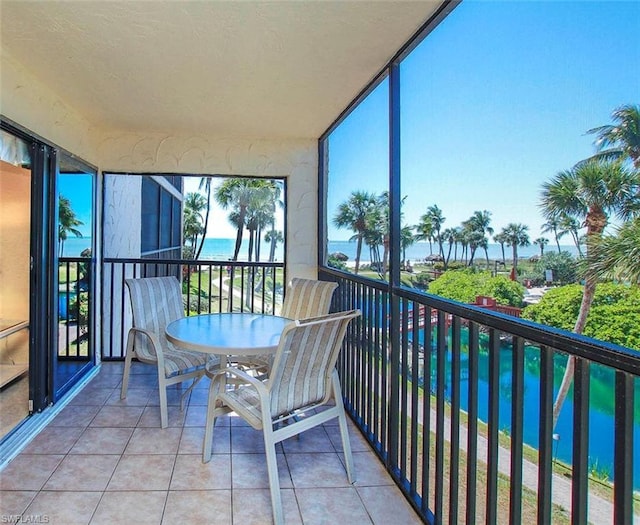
213,249
216,249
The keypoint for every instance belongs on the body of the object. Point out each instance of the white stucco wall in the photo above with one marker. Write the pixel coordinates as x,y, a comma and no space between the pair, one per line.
29,103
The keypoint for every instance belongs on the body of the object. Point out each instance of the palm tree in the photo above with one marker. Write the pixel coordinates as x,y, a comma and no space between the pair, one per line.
463,239
191,228
572,226
542,242
480,222
433,219
260,213
501,239
618,256
376,233
192,222
352,214
205,182
274,237
474,240
236,194
620,140
553,225
382,224
406,239
67,222
591,191
449,235
458,238
424,231
516,235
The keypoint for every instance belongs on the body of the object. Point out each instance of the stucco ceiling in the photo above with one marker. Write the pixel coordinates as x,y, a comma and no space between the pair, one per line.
231,68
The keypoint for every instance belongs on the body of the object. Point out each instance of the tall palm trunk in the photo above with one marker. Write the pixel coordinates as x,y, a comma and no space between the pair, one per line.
241,216
596,222
472,255
585,306
206,222
251,244
446,262
258,242
272,248
358,253
385,255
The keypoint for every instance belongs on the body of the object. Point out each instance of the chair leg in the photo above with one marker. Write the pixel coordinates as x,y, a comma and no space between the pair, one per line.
162,391
127,366
210,421
272,468
184,395
344,432
217,385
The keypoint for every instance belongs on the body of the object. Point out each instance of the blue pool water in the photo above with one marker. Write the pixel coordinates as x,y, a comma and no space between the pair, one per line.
601,411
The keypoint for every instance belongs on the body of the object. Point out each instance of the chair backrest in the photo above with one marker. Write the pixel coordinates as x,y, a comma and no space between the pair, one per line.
155,302
307,298
305,360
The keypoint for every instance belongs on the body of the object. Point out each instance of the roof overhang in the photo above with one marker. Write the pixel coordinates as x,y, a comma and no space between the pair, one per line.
230,68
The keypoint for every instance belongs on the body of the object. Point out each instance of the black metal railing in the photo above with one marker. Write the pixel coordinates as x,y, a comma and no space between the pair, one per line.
442,392
74,312
208,286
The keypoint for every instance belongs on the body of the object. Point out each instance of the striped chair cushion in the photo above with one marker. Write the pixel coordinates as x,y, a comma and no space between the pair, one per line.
155,302
302,369
307,298
246,403
181,362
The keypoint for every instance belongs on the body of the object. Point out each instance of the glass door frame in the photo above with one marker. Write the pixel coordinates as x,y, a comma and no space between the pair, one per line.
43,279
43,165
59,387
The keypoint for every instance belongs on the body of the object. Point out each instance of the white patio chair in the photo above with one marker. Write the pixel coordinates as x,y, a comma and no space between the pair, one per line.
304,298
303,377
155,302
307,298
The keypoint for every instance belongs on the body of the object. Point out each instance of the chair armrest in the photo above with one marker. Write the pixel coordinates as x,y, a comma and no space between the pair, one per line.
256,383
144,331
154,341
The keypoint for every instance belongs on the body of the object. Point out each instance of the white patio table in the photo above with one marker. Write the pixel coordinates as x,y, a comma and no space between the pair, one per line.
228,334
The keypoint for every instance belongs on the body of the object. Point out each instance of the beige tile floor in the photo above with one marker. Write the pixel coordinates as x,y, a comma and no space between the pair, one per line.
106,460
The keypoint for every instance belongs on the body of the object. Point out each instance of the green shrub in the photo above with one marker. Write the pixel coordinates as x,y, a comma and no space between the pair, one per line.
465,285
422,280
563,266
614,316
334,262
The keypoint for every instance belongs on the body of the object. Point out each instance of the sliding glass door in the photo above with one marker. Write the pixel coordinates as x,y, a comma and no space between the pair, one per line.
75,251
47,274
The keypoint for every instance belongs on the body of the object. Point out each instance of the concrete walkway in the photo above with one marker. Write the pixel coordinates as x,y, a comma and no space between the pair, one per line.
600,511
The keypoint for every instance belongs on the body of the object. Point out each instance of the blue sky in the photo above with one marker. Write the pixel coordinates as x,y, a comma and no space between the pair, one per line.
78,189
495,102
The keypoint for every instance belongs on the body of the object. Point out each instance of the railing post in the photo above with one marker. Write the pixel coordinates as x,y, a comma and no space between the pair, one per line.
394,263
622,464
580,467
